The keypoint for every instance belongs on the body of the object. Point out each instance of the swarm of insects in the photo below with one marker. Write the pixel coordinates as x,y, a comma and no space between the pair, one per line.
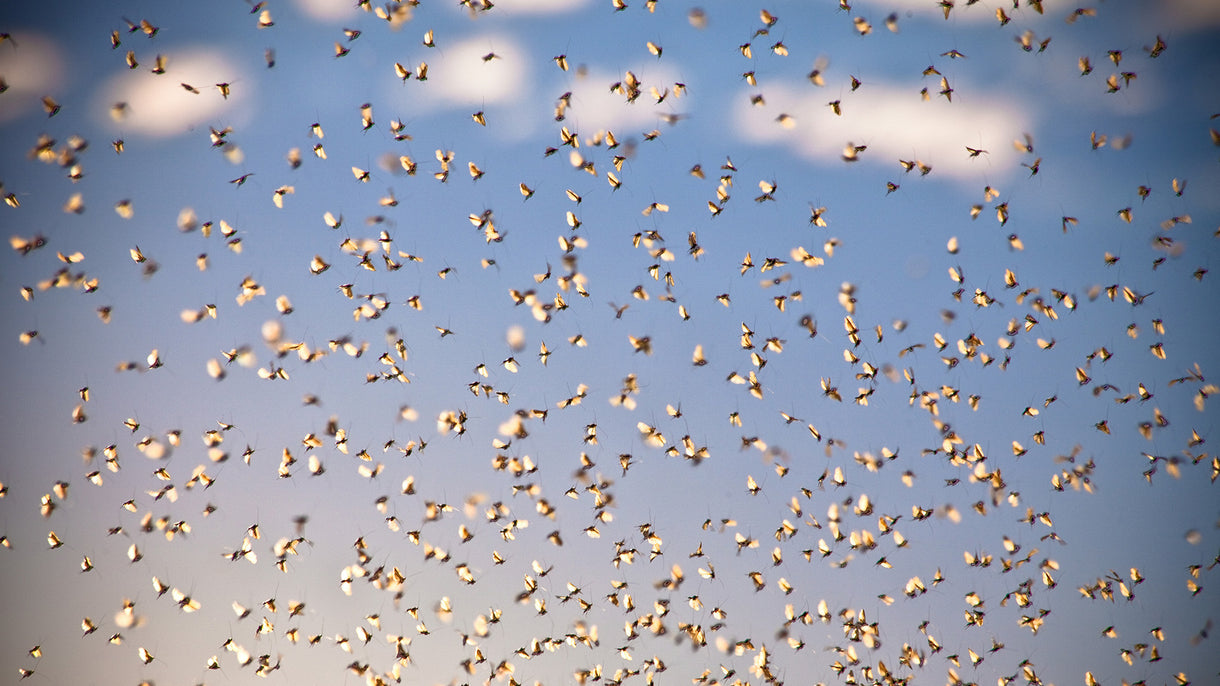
511,383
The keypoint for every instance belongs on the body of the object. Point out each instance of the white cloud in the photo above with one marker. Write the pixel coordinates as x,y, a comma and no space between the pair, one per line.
32,66
1183,15
158,104
515,7
595,107
894,122
539,6
327,10
459,73
975,13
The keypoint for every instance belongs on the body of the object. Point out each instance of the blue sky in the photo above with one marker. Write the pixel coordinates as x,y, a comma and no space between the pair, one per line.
765,135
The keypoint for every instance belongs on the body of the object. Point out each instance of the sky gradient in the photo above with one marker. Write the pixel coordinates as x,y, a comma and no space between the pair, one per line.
644,303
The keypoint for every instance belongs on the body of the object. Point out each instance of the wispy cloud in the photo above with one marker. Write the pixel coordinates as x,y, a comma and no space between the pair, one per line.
894,122
1186,15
